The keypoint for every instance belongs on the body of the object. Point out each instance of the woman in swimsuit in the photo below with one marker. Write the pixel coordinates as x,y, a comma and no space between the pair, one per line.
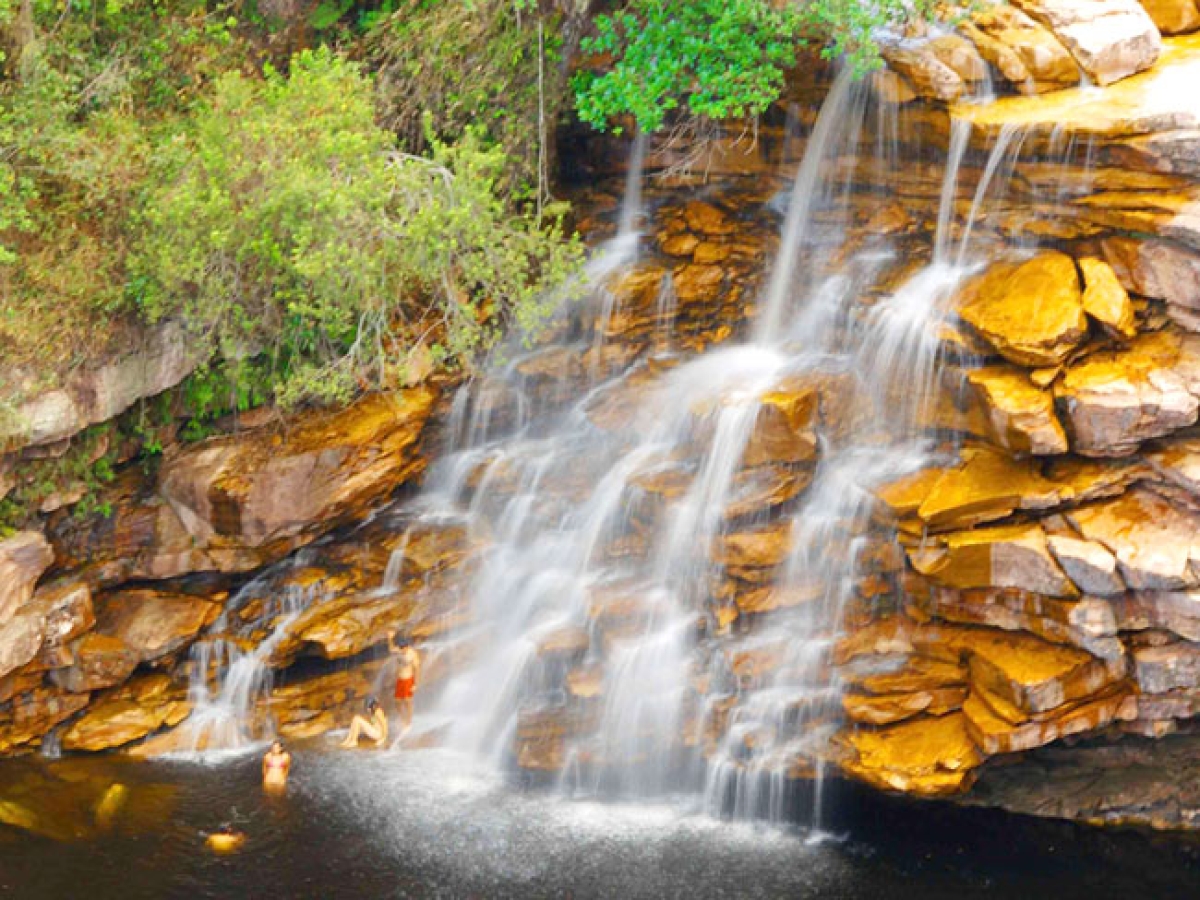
275,767
373,725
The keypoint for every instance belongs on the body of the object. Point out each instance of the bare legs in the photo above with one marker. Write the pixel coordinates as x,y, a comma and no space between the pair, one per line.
360,726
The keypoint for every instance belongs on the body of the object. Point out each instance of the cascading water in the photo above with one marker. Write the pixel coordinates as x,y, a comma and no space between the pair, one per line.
595,613
231,675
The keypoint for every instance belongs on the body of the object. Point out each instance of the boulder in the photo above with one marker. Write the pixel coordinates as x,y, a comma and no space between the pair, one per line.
23,558
1088,623
235,503
923,68
923,756
1110,39
139,709
33,714
97,394
1025,53
1167,668
784,429
753,549
153,624
1114,400
994,733
886,709
1161,270
1009,556
1087,563
1020,413
1105,299
1031,312
1157,545
1173,16
987,485
100,661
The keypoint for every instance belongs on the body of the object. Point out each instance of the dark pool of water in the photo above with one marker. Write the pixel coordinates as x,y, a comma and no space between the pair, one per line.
427,824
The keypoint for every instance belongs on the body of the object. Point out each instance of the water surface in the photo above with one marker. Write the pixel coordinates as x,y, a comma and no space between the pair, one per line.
433,824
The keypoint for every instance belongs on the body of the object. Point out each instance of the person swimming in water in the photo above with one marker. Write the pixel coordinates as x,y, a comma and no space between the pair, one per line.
276,765
225,839
408,667
374,725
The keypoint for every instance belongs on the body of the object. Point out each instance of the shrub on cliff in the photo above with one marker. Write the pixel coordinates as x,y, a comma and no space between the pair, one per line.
287,223
721,58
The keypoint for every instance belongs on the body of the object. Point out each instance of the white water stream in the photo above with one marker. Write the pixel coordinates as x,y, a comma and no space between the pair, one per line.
600,569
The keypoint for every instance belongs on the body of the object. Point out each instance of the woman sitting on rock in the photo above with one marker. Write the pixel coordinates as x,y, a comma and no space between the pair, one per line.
373,726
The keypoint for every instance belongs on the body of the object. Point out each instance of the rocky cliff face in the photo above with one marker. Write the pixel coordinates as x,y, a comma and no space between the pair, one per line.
1039,584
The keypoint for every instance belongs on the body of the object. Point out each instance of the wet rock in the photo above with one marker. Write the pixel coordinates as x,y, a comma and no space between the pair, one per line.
1157,546
1105,299
1110,39
1167,668
34,714
1112,401
1021,415
921,67
1026,54
1173,16
993,733
923,757
1088,623
23,559
152,623
784,429
100,661
1155,268
1088,564
234,503
754,549
1153,784
987,485
1012,556
704,218
887,709
1031,312
139,709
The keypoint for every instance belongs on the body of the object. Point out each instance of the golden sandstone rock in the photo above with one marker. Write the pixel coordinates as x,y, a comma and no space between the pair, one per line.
927,756
1028,55
1174,16
1031,312
1110,39
1104,298
1014,556
1112,401
1021,415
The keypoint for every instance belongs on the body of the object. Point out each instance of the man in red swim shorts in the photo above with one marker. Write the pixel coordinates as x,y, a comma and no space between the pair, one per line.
408,667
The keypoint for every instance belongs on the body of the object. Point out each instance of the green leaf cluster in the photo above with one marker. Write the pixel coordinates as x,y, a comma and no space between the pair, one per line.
719,59
287,224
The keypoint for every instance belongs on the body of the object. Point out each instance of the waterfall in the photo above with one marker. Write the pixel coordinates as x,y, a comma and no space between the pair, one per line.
598,644
231,674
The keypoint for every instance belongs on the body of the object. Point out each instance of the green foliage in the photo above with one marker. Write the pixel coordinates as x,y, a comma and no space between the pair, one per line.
74,478
292,227
90,86
720,58
470,64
